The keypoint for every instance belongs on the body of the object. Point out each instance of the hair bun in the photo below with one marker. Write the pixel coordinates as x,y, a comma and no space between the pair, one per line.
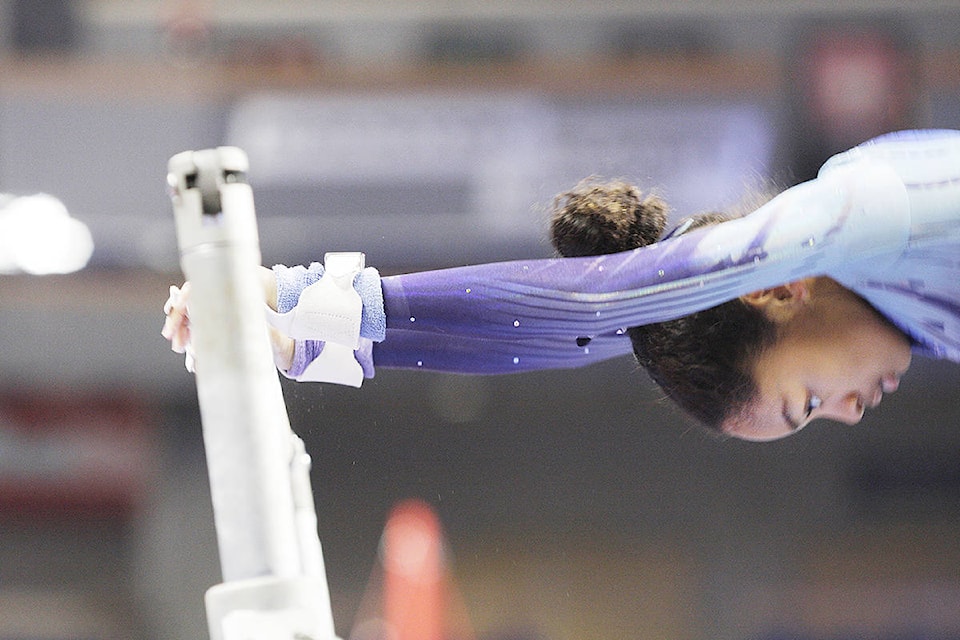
605,217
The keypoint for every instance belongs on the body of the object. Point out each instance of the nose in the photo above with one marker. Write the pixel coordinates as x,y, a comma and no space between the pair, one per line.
847,409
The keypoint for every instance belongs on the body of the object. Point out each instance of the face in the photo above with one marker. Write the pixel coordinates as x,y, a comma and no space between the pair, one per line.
834,358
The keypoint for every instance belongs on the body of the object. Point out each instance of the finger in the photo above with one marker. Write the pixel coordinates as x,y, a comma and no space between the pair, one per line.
172,300
181,339
168,328
177,344
174,321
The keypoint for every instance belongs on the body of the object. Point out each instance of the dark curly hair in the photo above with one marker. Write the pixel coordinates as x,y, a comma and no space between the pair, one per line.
703,362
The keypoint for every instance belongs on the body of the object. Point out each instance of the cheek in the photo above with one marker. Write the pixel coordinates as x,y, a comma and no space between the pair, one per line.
855,363
818,363
807,354
879,343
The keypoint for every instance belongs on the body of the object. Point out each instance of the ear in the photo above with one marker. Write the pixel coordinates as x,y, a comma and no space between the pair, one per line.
780,303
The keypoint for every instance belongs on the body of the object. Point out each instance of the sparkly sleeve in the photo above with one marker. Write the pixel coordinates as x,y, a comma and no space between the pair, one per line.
546,314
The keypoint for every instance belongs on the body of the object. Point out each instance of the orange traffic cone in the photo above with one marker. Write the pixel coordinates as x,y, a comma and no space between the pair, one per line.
419,600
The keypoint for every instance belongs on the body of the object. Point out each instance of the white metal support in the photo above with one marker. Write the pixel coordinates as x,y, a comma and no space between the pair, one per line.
274,584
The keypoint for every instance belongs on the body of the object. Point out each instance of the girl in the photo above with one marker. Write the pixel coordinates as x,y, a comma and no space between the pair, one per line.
809,307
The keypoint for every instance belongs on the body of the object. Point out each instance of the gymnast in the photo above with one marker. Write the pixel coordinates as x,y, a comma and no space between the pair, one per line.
809,307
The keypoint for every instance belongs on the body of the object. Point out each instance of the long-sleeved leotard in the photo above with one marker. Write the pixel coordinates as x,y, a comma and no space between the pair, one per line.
883,219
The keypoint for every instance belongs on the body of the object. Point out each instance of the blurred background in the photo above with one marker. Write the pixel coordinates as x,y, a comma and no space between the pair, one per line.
576,504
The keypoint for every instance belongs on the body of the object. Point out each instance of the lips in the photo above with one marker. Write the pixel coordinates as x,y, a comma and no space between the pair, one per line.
890,383
887,384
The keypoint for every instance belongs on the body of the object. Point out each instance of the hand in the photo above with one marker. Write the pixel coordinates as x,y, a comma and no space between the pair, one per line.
176,327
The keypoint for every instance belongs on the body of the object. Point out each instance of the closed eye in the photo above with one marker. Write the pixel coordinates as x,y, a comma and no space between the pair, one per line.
813,403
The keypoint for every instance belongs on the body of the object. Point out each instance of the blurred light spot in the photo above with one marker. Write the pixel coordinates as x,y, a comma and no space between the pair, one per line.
38,236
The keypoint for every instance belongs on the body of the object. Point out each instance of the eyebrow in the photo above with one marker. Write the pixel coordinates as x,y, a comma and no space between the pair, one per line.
791,422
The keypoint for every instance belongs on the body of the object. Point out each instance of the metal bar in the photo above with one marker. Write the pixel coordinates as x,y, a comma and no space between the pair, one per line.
274,584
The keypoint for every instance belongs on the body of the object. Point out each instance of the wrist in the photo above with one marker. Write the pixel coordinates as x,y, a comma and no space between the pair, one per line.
268,281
